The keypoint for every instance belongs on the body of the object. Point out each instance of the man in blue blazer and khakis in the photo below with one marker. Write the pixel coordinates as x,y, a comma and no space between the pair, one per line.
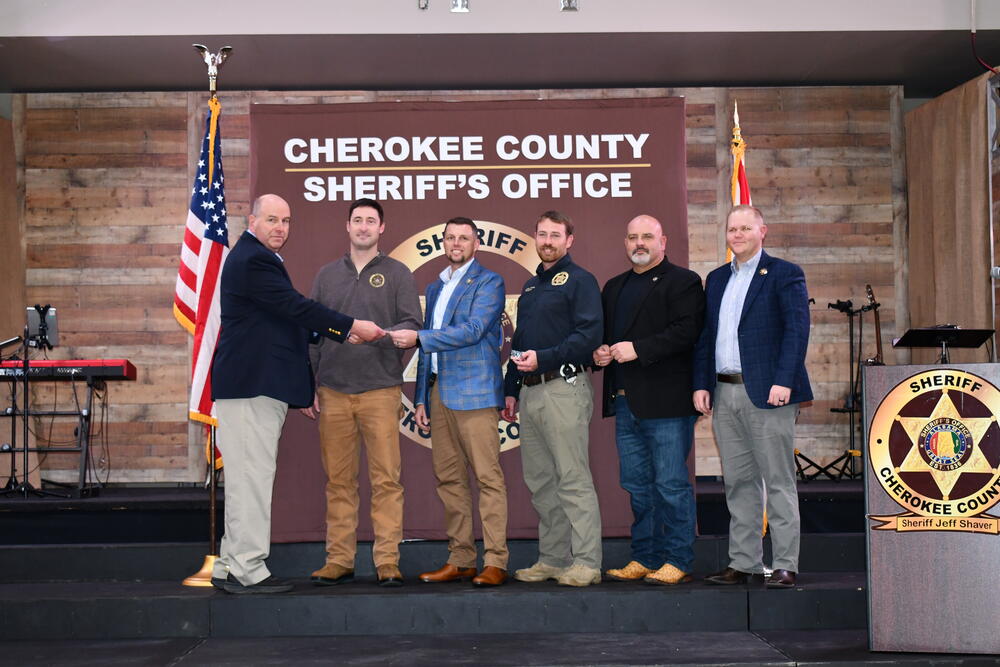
459,392
749,373
261,367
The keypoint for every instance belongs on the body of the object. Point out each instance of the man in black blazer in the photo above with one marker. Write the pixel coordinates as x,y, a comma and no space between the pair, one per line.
652,318
261,367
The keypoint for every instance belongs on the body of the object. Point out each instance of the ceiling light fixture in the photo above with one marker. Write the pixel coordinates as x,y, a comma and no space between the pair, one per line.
568,6
460,6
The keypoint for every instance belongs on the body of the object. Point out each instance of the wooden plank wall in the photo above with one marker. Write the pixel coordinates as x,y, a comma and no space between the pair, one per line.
107,180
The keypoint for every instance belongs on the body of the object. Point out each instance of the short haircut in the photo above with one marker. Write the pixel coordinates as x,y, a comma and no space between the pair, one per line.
556,216
746,208
255,209
459,220
365,202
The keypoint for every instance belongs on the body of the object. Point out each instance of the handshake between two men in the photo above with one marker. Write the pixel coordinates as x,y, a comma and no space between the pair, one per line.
365,331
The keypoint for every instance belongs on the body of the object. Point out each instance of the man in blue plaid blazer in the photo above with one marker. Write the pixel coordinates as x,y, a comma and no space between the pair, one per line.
459,391
750,367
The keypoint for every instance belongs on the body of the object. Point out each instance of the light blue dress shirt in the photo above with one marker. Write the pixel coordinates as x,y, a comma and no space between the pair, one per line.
451,279
727,344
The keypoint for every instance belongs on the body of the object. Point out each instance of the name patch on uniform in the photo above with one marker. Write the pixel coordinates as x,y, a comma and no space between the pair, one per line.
560,278
376,280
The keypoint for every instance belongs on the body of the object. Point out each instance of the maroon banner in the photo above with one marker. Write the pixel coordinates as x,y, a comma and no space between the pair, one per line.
601,162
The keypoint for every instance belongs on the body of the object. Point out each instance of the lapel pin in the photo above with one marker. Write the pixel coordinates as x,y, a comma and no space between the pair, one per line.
468,281
655,278
763,272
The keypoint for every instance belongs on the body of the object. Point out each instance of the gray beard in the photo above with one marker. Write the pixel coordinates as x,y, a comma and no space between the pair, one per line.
641,259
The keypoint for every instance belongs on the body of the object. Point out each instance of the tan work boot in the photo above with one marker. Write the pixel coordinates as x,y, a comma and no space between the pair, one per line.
539,572
389,575
579,575
332,574
668,575
634,571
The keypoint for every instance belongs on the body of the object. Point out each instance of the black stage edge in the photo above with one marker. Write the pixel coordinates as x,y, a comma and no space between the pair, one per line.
158,609
137,514
133,591
834,647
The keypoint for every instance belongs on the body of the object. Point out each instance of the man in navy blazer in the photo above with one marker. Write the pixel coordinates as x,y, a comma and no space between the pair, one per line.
261,367
459,391
750,366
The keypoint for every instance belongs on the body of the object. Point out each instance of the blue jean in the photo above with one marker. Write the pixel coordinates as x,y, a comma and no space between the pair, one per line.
652,455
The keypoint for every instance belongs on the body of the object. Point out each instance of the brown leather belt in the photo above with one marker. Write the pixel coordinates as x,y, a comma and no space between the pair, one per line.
620,392
532,380
730,378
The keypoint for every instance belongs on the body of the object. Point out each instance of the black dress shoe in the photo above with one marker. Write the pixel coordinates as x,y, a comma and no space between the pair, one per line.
781,579
270,585
728,577
220,582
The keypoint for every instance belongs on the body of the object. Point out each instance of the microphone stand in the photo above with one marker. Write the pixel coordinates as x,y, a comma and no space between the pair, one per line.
11,486
25,488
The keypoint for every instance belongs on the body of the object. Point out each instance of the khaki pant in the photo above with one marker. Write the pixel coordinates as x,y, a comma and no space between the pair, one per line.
345,419
461,439
249,429
555,430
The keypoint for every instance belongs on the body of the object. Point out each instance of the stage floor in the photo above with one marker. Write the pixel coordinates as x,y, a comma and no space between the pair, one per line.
795,647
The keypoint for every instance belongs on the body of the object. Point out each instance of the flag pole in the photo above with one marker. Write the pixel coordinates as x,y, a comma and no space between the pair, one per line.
203,577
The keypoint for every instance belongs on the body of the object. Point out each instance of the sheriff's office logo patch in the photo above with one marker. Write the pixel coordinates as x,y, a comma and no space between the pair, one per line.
934,447
560,278
376,280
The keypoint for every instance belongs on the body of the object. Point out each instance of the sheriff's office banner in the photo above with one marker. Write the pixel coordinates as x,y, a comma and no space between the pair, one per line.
502,164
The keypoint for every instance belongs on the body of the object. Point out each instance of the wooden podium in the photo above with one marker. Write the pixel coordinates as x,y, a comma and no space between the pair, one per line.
932,496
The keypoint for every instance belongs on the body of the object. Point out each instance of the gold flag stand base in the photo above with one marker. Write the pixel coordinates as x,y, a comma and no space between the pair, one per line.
202,577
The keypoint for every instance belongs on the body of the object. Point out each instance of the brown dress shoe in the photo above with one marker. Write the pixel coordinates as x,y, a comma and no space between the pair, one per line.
728,577
781,579
448,573
389,575
490,576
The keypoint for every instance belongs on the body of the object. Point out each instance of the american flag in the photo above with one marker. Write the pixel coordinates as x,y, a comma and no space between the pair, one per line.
205,247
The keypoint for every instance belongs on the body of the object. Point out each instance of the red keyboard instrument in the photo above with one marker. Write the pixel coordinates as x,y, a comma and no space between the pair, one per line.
69,369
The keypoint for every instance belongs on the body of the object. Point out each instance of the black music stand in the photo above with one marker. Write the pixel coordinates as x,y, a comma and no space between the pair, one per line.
943,338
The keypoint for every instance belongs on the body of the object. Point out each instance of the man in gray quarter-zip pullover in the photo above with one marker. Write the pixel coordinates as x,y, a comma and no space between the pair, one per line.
359,396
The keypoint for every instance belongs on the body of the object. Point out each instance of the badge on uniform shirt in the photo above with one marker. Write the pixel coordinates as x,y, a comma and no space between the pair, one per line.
560,278
528,288
376,280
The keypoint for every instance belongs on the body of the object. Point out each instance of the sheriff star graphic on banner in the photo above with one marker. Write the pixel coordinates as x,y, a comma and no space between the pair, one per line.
934,447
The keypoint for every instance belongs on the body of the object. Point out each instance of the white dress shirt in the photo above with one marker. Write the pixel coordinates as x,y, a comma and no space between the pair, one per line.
727,343
451,279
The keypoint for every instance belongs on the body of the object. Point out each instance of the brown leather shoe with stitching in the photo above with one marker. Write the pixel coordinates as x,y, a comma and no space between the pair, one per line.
448,573
728,577
490,576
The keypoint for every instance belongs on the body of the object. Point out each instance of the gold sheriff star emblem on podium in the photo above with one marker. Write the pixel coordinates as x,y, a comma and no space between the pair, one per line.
945,444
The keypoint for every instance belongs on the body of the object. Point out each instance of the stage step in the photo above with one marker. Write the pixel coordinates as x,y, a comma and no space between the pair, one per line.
779,648
134,610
